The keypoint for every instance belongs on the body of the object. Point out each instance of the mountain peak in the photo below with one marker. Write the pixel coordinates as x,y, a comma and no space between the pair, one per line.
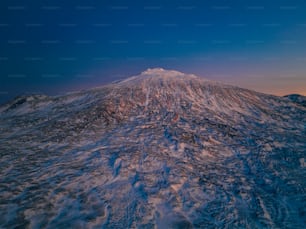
161,72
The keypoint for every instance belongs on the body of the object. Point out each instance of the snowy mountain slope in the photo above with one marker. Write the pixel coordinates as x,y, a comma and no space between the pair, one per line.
162,149
299,99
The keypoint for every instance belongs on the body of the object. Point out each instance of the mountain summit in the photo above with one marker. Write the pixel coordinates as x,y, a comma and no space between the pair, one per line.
161,72
162,149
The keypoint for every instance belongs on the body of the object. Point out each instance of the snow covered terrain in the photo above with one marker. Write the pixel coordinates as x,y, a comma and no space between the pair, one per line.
297,99
159,150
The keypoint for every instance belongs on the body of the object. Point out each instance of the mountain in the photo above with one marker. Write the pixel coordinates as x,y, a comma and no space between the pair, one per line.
162,149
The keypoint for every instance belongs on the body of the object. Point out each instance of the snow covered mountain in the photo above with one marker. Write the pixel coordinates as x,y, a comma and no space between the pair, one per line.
159,150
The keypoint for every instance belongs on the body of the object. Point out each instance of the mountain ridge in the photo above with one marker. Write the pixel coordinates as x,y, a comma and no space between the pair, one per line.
149,74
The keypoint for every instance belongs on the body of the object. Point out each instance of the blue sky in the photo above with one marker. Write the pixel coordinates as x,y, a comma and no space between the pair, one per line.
57,46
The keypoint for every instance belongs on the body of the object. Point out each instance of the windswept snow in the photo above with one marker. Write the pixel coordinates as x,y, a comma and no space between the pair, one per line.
162,149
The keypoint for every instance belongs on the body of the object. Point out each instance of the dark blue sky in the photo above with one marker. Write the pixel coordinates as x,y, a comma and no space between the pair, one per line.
57,46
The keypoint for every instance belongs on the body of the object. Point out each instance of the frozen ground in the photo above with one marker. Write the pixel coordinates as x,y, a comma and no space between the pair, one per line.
159,150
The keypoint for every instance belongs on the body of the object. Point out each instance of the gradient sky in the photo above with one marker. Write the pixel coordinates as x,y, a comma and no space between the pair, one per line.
57,46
